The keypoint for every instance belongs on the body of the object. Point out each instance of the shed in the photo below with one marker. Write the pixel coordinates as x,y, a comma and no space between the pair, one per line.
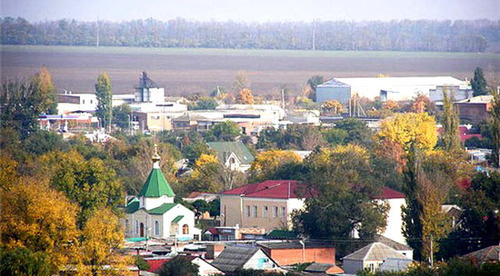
235,258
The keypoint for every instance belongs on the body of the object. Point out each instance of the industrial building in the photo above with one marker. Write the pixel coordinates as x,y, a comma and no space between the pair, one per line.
387,88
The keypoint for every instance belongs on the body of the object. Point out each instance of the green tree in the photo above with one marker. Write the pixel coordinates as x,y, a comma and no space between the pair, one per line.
335,136
178,266
224,131
21,103
204,103
90,183
24,262
104,100
450,122
357,131
341,179
478,83
122,116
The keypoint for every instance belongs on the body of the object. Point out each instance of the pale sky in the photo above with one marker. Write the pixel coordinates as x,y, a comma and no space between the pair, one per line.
251,10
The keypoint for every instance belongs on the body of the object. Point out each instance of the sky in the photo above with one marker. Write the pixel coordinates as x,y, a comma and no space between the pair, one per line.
250,10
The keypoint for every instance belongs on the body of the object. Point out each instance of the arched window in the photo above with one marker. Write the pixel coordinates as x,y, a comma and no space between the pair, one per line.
157,228
136,227
185,229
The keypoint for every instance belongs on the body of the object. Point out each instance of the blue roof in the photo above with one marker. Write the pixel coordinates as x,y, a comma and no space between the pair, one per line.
333,83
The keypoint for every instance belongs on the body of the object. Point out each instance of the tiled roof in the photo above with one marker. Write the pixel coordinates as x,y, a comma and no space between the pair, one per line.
388,193
393,244
488,254
224,150
323,268
374,252
283,234
156,185
269,189
162,209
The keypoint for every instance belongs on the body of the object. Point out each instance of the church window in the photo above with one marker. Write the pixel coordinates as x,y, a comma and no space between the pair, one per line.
157,228
248,211
185,229
137,227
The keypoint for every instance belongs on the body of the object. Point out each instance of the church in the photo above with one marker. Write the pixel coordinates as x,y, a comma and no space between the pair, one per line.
153,213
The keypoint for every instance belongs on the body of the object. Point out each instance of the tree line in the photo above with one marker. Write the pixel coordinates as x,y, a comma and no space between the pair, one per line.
395,35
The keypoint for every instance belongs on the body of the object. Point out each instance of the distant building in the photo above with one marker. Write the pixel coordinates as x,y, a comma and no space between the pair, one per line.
235,258
371,257
148,91
153,212
459,93
233,155
474,110
194,196
389,88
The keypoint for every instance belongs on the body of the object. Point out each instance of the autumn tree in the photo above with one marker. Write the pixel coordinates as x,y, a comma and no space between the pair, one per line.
333,106
8,172
205,176
47,91
39,222
421,103
417,129
104,100
245,96
102,236
450,122
478,83
241,81
390,105
267,162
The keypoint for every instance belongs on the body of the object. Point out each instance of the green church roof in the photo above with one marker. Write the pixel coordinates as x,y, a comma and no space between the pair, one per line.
162,209
177,219
156,185
132,206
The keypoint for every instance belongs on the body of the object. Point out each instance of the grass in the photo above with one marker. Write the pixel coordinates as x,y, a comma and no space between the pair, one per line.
243,52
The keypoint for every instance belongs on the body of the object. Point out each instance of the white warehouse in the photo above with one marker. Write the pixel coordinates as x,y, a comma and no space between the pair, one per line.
387,88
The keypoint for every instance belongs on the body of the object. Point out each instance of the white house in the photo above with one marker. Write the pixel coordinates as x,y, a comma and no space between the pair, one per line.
154,214
235,258
371,257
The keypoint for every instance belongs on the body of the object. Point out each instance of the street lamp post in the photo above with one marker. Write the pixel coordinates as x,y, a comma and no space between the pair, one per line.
303,251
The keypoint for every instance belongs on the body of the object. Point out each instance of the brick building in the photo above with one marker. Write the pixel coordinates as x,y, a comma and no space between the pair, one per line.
288,253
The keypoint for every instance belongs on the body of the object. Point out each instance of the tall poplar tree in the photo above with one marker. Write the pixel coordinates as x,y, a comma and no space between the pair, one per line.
42,82
478,83
104,100
450,121
494,124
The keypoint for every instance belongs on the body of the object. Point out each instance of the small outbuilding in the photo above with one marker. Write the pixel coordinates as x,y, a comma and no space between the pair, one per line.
236,258
370,257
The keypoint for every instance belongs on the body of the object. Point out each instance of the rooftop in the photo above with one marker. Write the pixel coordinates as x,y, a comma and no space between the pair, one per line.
234,257
224,150
376,251
156,185
270,189
295,245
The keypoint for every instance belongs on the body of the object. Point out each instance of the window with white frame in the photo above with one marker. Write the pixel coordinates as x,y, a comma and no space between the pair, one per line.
275,211
137,227
254,211
283,213
248,211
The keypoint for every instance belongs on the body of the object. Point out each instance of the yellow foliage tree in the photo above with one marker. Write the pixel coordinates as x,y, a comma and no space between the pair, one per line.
268,162
102,236
8,172
40,219
410,128
245,96
206,174
333,106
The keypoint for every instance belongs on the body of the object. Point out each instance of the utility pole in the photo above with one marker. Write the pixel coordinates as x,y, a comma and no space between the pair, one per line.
432,252
97,39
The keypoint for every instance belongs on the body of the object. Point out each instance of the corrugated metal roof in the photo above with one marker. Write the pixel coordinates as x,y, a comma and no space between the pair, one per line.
177,219
224,150
374,252
156,185
234,257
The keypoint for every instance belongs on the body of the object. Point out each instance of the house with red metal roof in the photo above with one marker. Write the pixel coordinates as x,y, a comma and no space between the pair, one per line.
270,204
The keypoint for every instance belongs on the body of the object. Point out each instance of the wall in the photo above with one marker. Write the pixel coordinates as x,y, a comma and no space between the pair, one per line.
341,94
259,261
152,202
293,256
394,226
473,113
352,266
